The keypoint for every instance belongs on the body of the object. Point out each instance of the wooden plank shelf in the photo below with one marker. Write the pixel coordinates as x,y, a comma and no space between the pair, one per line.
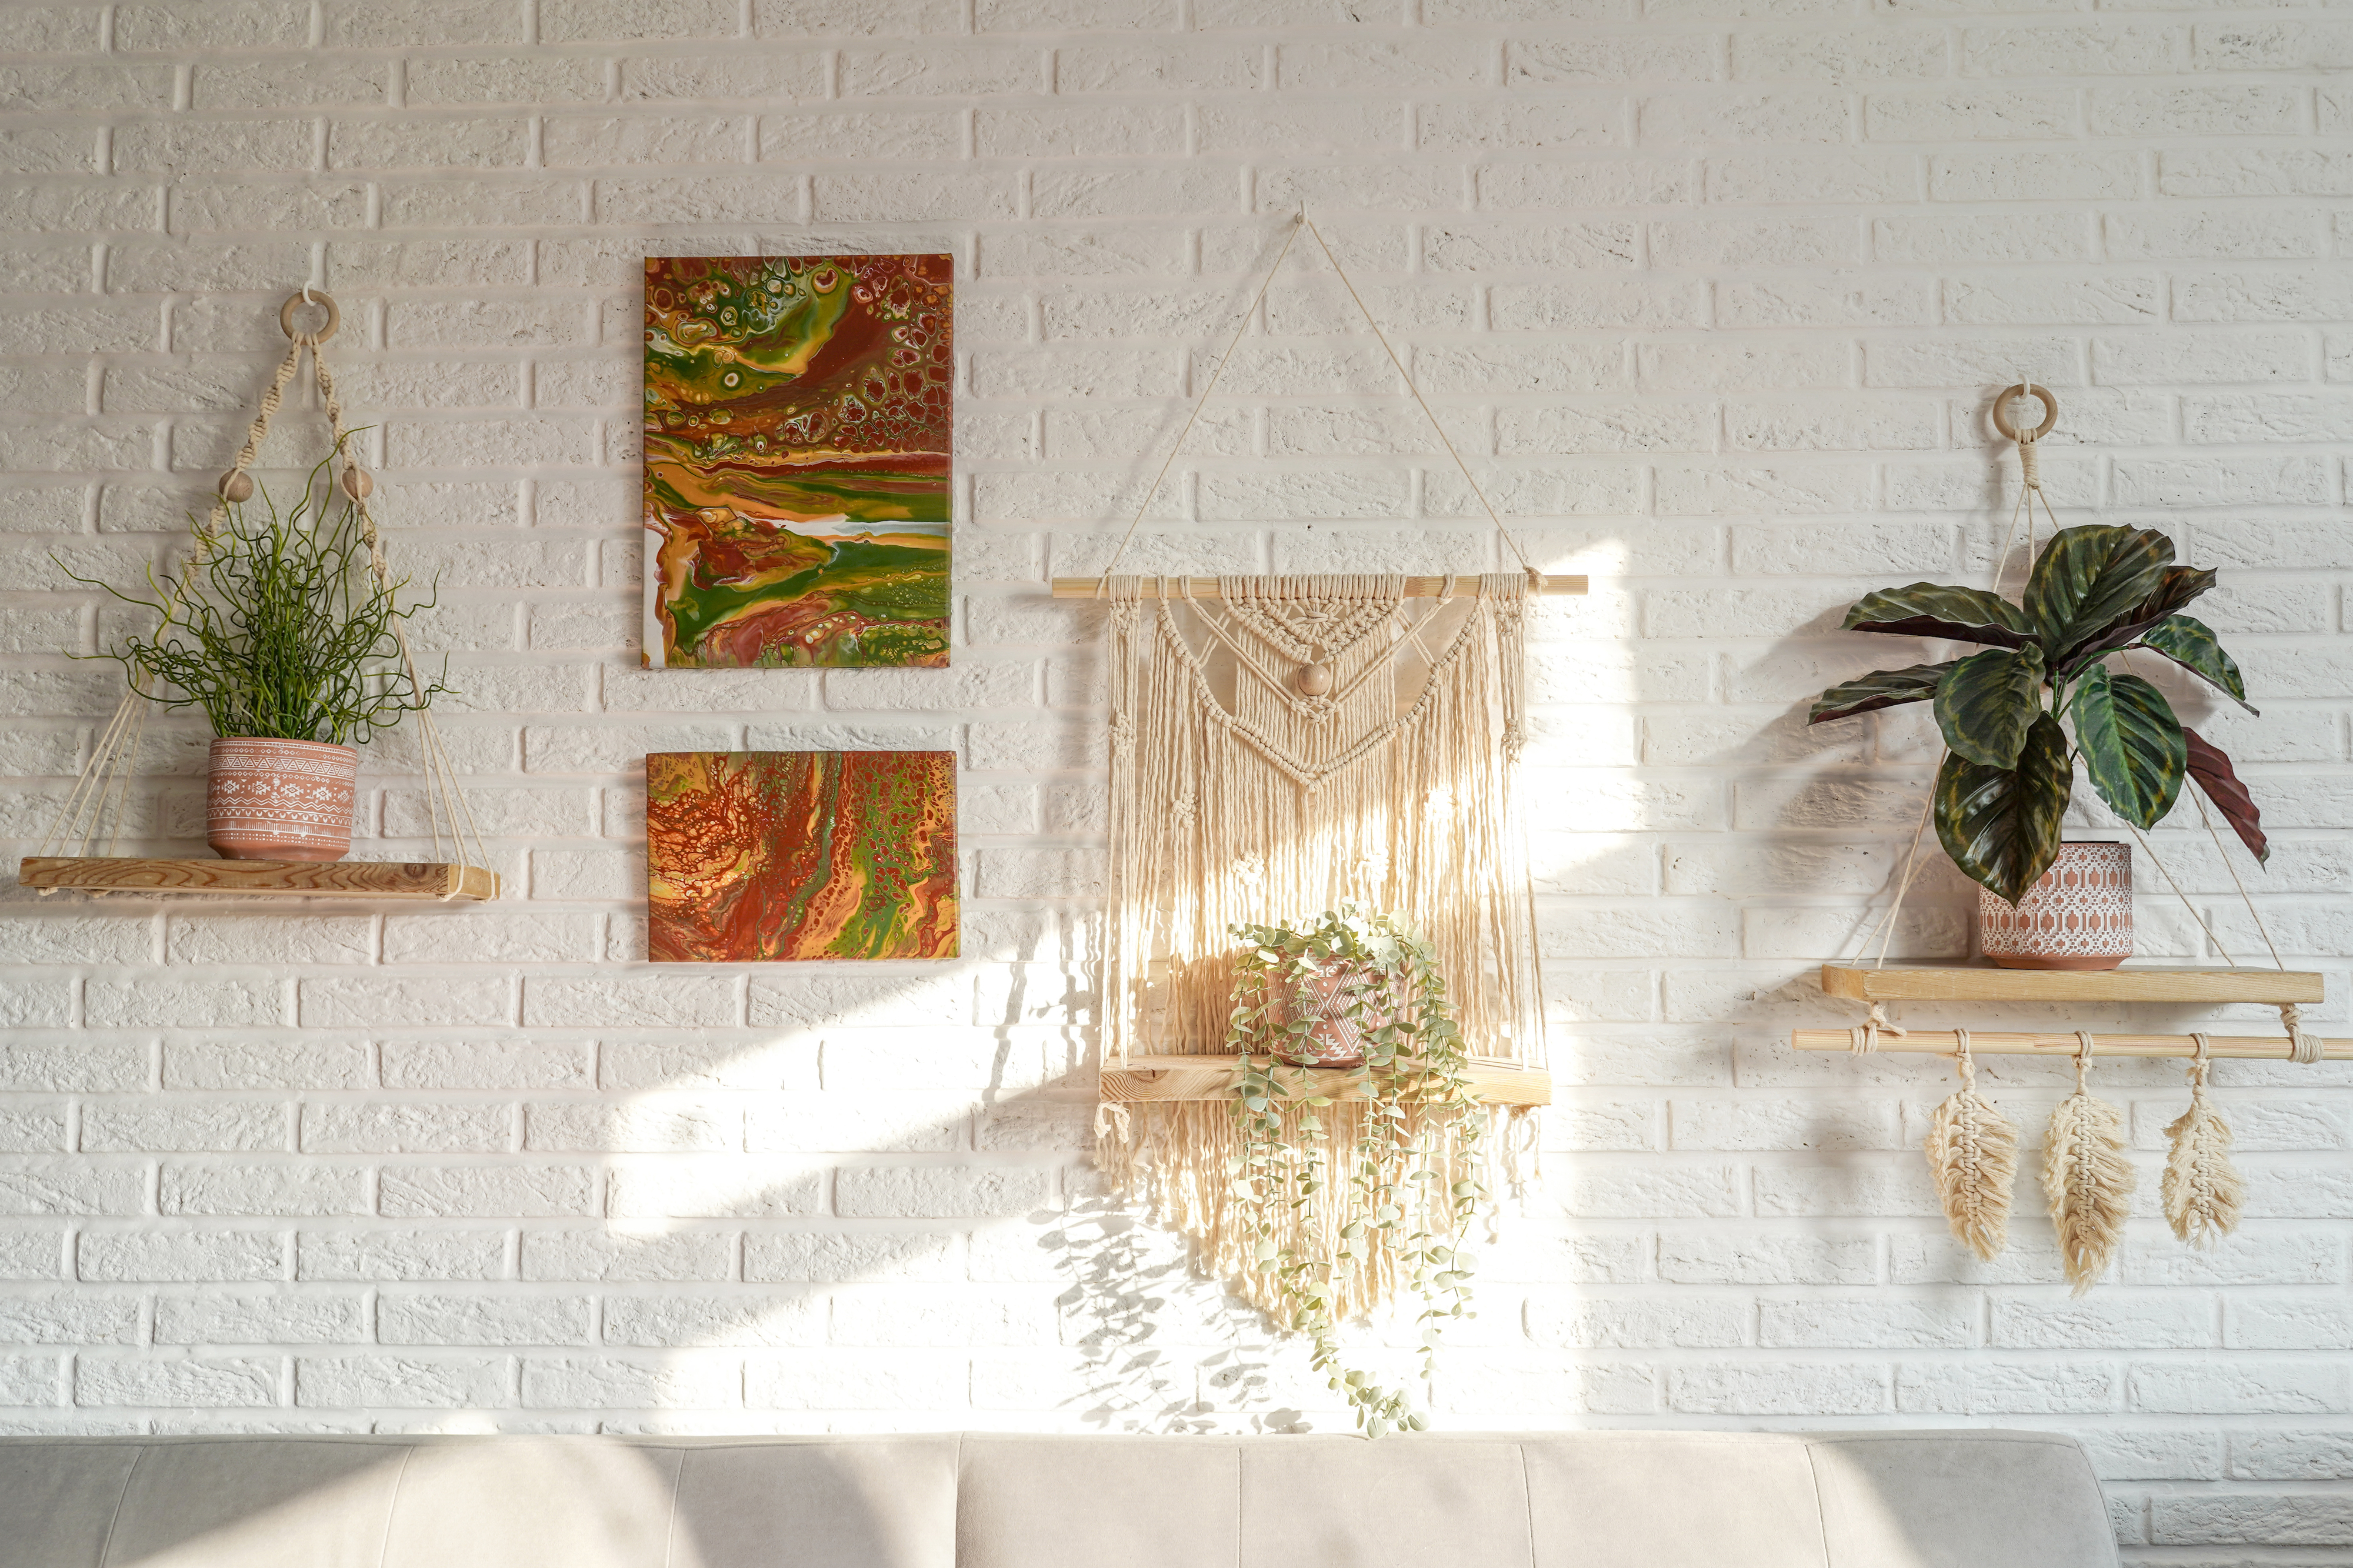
1985,982
1206,1077
409,880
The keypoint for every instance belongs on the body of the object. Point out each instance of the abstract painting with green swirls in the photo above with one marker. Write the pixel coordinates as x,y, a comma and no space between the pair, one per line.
796,453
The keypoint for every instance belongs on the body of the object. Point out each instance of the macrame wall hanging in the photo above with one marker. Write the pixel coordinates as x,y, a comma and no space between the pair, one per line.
1281,746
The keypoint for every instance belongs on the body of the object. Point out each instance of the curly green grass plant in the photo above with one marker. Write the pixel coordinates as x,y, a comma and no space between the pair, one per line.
279,628
1409,1180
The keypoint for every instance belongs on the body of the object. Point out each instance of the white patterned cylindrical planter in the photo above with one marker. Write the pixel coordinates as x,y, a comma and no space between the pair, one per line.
281,800
2078,916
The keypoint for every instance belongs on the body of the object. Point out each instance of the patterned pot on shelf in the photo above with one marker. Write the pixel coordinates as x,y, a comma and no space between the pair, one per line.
2079,915
281,800
1325,998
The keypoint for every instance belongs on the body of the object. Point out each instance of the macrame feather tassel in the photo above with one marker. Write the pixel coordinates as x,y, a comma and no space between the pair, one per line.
1973,1155
2086,1177
2202,1189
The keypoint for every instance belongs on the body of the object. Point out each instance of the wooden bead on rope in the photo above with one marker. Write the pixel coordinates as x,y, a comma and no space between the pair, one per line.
356,482
1313,679
236,487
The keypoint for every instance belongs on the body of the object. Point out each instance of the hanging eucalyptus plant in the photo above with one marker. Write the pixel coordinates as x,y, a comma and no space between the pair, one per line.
1410,1172
2094,592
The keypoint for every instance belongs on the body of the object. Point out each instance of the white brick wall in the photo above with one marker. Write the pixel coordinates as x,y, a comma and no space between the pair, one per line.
1713,292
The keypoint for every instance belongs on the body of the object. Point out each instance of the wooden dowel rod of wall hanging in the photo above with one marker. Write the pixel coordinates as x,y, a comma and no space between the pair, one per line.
2063,1048
1415,587
1210,1076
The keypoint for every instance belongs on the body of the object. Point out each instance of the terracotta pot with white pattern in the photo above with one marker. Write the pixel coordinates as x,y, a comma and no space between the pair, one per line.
2078,915
1341,1004
281,800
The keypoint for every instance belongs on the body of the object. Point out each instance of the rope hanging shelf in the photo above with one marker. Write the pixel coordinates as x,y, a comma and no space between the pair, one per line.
1877,983
1493,1080
78,852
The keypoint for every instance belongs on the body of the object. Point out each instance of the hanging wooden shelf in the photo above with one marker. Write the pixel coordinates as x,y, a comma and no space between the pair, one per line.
1984,983
1493,1080
409,880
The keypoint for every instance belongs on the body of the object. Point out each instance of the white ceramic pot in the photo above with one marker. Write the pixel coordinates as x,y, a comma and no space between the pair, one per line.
2079,915
281,800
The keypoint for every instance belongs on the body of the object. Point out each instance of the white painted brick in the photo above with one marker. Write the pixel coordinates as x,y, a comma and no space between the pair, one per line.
255,1317
738,1318
399,1255
624,1256
714,1187
400,1383
403,1317
529,1191
246,1126
226,1381
190,1257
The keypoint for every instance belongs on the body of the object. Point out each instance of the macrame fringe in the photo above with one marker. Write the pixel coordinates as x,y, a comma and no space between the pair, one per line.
2202,1187
2087,1178
1236,798
1973,1155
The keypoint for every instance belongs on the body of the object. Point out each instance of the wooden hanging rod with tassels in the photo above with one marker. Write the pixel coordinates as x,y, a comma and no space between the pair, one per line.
1998,1043
1466,587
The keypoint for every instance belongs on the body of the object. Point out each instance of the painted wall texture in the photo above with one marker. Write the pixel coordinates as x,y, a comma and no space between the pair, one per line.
1711,293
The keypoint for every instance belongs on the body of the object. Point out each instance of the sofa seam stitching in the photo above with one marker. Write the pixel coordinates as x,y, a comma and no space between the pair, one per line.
106,1546
1528,1503
670,1531
391,1505
1821,1513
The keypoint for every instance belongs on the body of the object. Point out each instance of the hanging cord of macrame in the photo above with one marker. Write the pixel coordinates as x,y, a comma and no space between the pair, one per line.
2029,474
1242,326
2202,1059
1964,1064
2084,1047
1145,502
1407,376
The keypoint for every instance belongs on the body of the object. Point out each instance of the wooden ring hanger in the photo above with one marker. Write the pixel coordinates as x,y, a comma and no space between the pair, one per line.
2025,389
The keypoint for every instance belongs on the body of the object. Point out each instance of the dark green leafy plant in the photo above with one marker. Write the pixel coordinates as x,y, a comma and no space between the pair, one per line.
2094,591
279,629
1409,1177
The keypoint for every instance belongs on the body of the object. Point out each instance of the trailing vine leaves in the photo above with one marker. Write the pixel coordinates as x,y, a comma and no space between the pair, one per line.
280,629
1880,689
2134,748
2001,825
1987,704
2094,591
2215,775
1417,1120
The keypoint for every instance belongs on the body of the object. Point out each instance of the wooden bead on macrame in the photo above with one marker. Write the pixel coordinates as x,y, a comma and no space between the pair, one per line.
356,483
1313,679
236,487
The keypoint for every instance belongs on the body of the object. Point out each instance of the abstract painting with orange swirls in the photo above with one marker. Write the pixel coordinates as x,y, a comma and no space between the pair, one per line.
753,855
796,452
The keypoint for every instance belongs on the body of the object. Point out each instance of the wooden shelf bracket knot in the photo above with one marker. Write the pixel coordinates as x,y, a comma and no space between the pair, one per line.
1865,1039
2305,1049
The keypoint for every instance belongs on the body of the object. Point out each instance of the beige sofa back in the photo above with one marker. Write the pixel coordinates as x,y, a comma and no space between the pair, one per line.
1597,1500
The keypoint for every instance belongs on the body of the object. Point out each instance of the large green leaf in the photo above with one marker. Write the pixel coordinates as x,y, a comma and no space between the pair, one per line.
2133,745
2001,825
2191,643
1985,705
1880,689
2215,775
2177,586
2089,578
1938,610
